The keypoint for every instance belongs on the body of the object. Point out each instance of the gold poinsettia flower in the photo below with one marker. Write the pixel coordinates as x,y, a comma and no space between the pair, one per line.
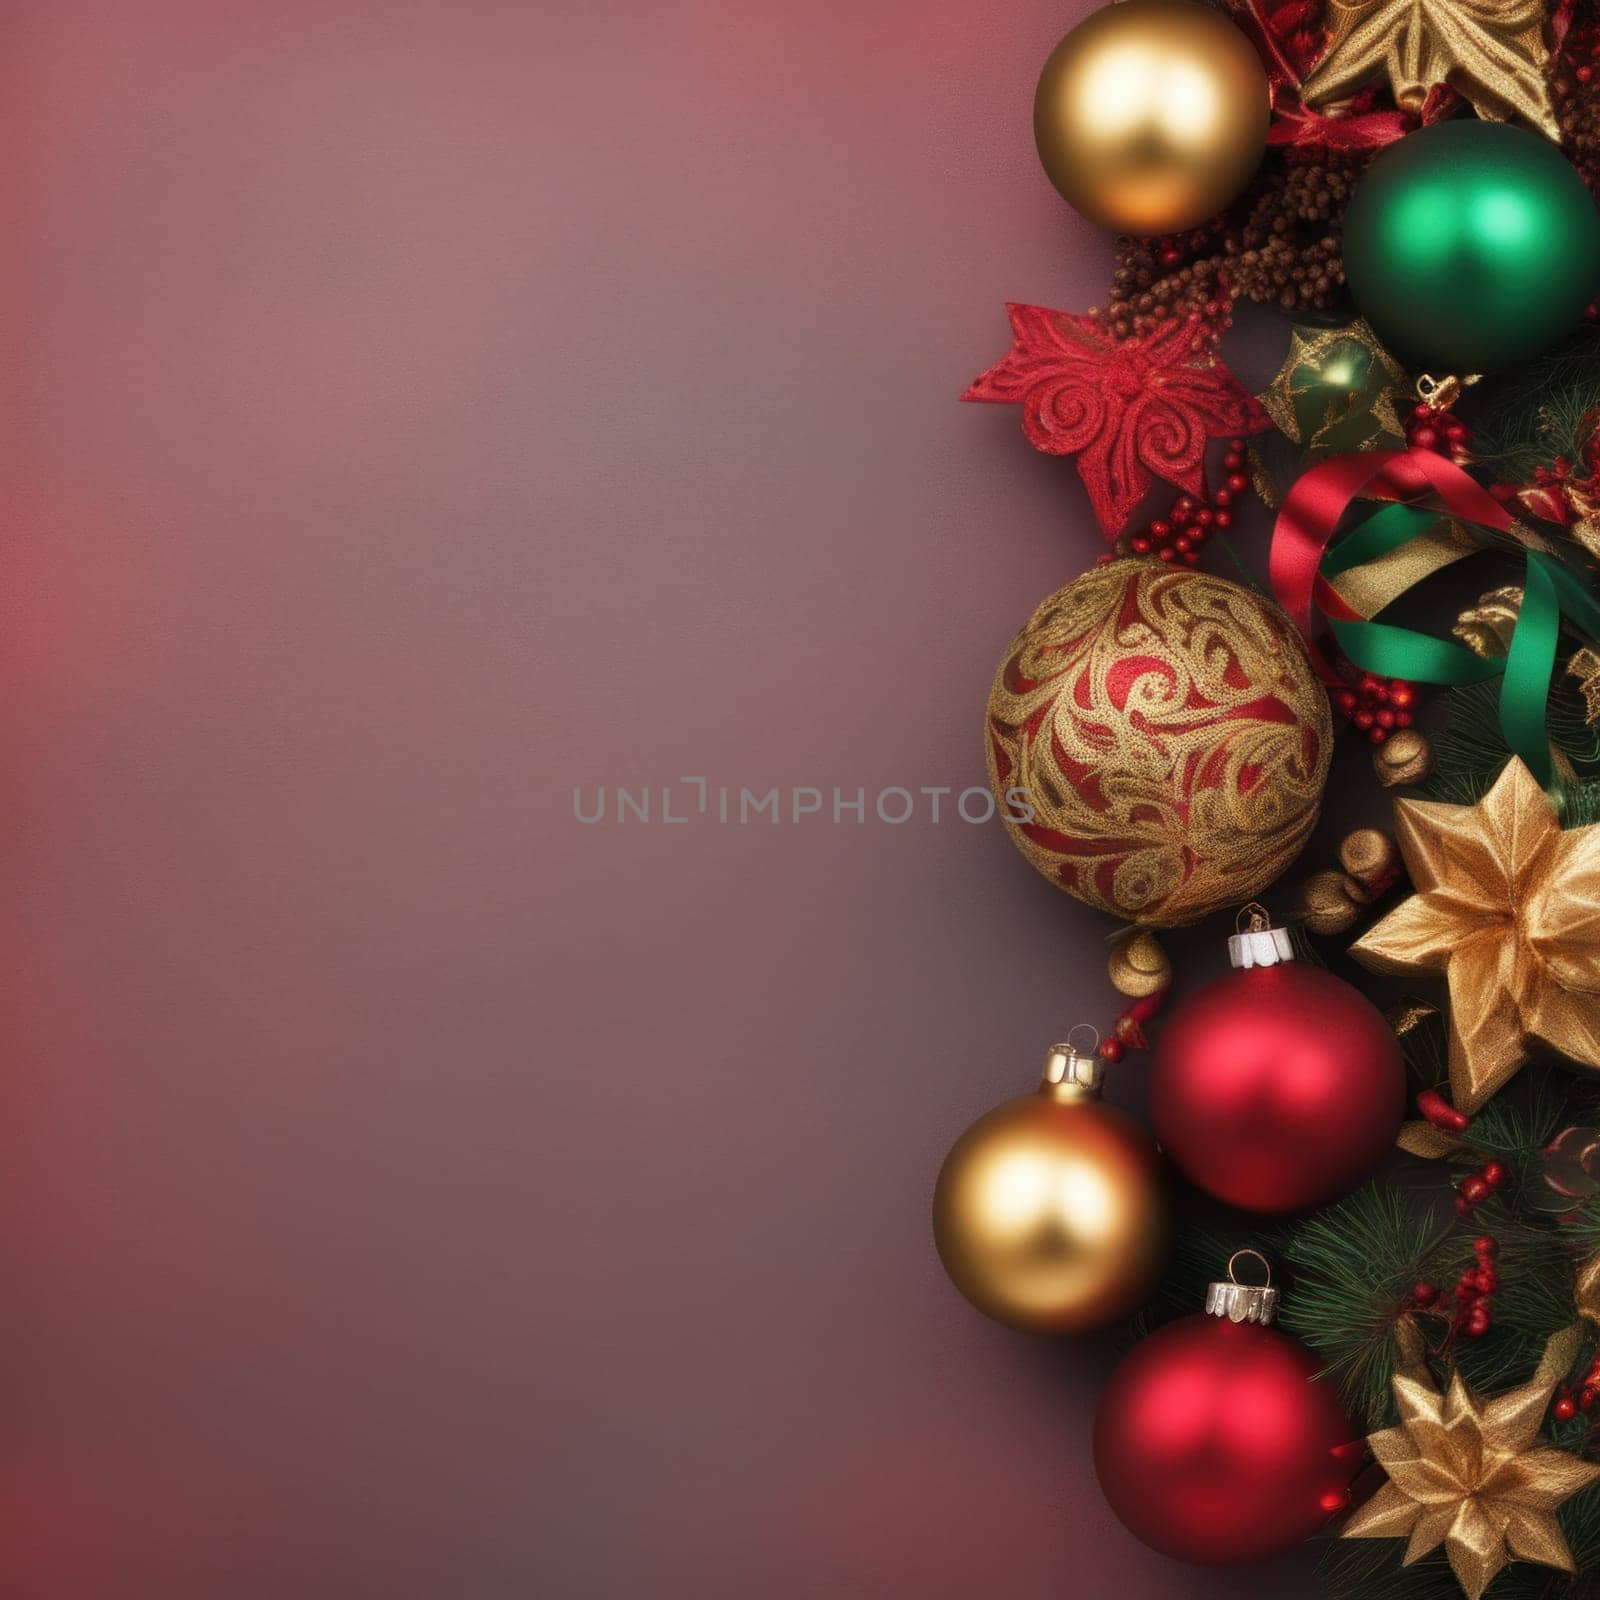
1470,1474
1508,910
1491,52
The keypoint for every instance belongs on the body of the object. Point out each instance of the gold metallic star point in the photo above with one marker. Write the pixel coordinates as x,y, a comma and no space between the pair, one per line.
1491,52
1470,1474
1508,911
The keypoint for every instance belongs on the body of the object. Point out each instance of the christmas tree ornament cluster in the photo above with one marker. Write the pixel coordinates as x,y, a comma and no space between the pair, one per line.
1051,1211
1172,733
1171,737
1152,115
1278,1087
1215,1442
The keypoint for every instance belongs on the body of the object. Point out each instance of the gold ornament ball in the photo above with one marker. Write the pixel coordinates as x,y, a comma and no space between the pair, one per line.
1157,742
1050,1212
1151,116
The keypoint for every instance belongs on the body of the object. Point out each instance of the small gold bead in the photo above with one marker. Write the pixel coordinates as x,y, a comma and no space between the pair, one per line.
1368,855
1324,904
1404,757
1138,966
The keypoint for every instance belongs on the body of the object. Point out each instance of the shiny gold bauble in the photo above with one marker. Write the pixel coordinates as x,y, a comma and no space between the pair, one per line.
1157,741
1051,1212
1151,116
1137,966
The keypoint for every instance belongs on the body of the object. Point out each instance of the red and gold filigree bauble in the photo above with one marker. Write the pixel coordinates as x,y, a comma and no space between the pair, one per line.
1168,736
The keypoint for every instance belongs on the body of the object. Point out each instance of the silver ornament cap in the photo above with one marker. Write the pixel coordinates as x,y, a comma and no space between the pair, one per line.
1256,943
1244,1302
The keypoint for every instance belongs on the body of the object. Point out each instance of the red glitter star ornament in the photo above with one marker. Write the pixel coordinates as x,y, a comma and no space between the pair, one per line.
1129,409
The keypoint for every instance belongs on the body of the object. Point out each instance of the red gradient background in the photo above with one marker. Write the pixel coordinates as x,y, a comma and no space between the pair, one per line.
415,410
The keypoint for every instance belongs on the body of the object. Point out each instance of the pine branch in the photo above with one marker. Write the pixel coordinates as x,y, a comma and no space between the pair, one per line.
1355,1265
1538,412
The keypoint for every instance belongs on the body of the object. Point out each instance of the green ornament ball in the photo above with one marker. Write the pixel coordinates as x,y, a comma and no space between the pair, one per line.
1471,245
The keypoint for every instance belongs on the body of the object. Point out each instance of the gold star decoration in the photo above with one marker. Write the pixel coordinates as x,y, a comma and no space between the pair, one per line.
1470,1474
1584,665
1508,909
1491,52
1336,390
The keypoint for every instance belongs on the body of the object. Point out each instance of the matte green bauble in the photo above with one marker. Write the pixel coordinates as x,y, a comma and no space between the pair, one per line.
1471,245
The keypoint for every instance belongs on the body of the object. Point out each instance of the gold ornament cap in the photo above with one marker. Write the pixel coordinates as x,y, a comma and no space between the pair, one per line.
1071,1073
1244,1302
1256,943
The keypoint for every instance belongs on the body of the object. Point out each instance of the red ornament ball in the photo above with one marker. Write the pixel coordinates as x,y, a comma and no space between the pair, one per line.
1214,1444
1277,1088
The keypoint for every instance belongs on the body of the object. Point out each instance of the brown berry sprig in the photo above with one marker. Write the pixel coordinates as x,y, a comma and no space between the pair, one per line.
1181,535
1377,706
1577,107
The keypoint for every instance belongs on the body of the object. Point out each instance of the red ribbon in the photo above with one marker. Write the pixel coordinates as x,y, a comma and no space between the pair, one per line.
1312,510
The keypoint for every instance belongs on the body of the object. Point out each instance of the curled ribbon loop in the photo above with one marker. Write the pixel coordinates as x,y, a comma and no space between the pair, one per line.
1302,565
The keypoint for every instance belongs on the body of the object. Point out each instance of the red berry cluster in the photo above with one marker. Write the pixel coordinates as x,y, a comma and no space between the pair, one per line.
1588,1391
1477,1186
1443,432
1377,706
1474,1293
1182,533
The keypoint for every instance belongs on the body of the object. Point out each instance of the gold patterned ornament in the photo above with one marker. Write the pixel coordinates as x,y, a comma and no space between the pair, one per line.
1491,52
1471,1474
1508,910
1336,390
1168,736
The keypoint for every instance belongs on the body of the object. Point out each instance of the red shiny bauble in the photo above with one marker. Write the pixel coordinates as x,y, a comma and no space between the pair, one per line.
1277,1088
1214,1444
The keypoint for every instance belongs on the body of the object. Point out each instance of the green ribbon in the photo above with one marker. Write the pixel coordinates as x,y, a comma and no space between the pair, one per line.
1549,592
